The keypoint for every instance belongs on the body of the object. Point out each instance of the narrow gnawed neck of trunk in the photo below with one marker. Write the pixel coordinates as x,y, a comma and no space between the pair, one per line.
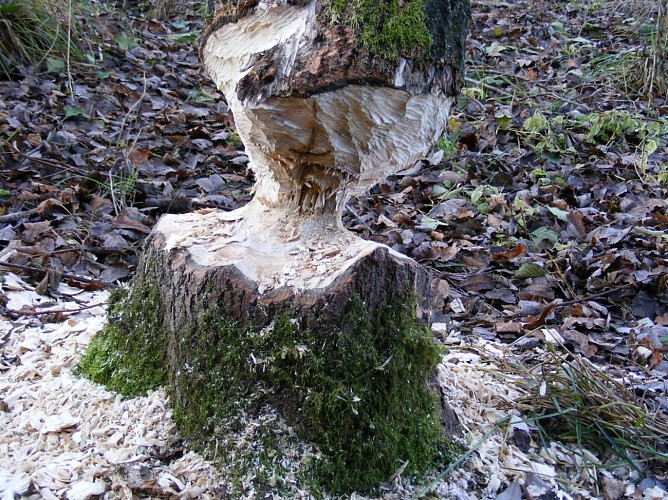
309,190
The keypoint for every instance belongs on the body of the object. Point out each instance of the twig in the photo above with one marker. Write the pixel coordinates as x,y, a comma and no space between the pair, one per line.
491,87
130,111
70,81
598,295
17,216
556,304
42,161
608,291
499,90
102,284
66,296
16,313
119,204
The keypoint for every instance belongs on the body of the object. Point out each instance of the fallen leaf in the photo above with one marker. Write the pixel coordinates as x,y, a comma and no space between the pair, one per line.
576,224
530,270
138,156
123,221
511,253
533,322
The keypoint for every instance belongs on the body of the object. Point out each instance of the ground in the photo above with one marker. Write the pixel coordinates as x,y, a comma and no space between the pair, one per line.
542,214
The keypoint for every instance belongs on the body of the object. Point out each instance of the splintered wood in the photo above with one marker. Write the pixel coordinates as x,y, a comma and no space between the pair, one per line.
311,152
315,131
224,239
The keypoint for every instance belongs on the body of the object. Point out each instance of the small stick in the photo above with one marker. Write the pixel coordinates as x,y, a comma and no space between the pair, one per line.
16,216
103,284
16,314
608,291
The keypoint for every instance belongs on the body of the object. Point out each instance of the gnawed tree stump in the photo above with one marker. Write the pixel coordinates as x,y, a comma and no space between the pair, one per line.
276,309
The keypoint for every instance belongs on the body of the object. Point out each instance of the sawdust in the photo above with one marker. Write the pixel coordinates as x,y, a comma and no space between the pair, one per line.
64,437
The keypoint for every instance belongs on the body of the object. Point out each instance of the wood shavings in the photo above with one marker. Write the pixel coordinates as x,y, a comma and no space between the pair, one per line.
83,490
64,437
59,423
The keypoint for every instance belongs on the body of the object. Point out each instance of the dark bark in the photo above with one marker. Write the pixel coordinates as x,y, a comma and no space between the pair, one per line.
191,289
334,55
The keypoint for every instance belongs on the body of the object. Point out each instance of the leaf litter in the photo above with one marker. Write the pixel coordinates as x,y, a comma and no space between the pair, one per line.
542,215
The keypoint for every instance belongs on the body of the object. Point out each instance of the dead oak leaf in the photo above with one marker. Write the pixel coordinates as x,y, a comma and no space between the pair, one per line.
581,340
122,221
576,224
509,254
138,156
533,322
32,231
435,250
47,206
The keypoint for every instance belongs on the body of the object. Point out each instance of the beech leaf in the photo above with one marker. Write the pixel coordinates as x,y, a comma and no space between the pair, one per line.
530,270
560,214
429,222
73,112
544,233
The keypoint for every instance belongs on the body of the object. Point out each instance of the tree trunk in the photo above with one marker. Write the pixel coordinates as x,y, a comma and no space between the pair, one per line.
253,281
275,308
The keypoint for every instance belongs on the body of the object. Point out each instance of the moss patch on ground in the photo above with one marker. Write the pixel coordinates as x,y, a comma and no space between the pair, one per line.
358,393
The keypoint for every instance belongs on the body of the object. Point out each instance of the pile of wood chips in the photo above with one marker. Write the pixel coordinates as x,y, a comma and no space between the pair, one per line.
62,436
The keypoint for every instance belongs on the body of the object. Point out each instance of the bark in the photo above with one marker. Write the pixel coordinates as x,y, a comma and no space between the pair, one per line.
329,339
280,282
319,46
251,283
322,113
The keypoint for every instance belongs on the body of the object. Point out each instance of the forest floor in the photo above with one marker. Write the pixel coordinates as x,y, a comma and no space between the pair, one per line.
542,213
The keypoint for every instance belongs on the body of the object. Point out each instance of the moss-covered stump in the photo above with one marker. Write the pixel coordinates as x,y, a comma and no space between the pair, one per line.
342,362
274,313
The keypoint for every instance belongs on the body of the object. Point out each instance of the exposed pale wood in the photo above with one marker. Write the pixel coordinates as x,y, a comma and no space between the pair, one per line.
251,280
313,142
321,120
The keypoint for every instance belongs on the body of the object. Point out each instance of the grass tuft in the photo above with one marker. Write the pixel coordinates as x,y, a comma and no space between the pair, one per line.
641,70
570,400
49,36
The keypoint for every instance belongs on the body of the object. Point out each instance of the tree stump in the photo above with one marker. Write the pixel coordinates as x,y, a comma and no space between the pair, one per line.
276,309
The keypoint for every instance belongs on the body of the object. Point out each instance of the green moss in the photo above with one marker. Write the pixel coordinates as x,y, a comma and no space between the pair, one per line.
128,356
385,28
358,393
432,30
